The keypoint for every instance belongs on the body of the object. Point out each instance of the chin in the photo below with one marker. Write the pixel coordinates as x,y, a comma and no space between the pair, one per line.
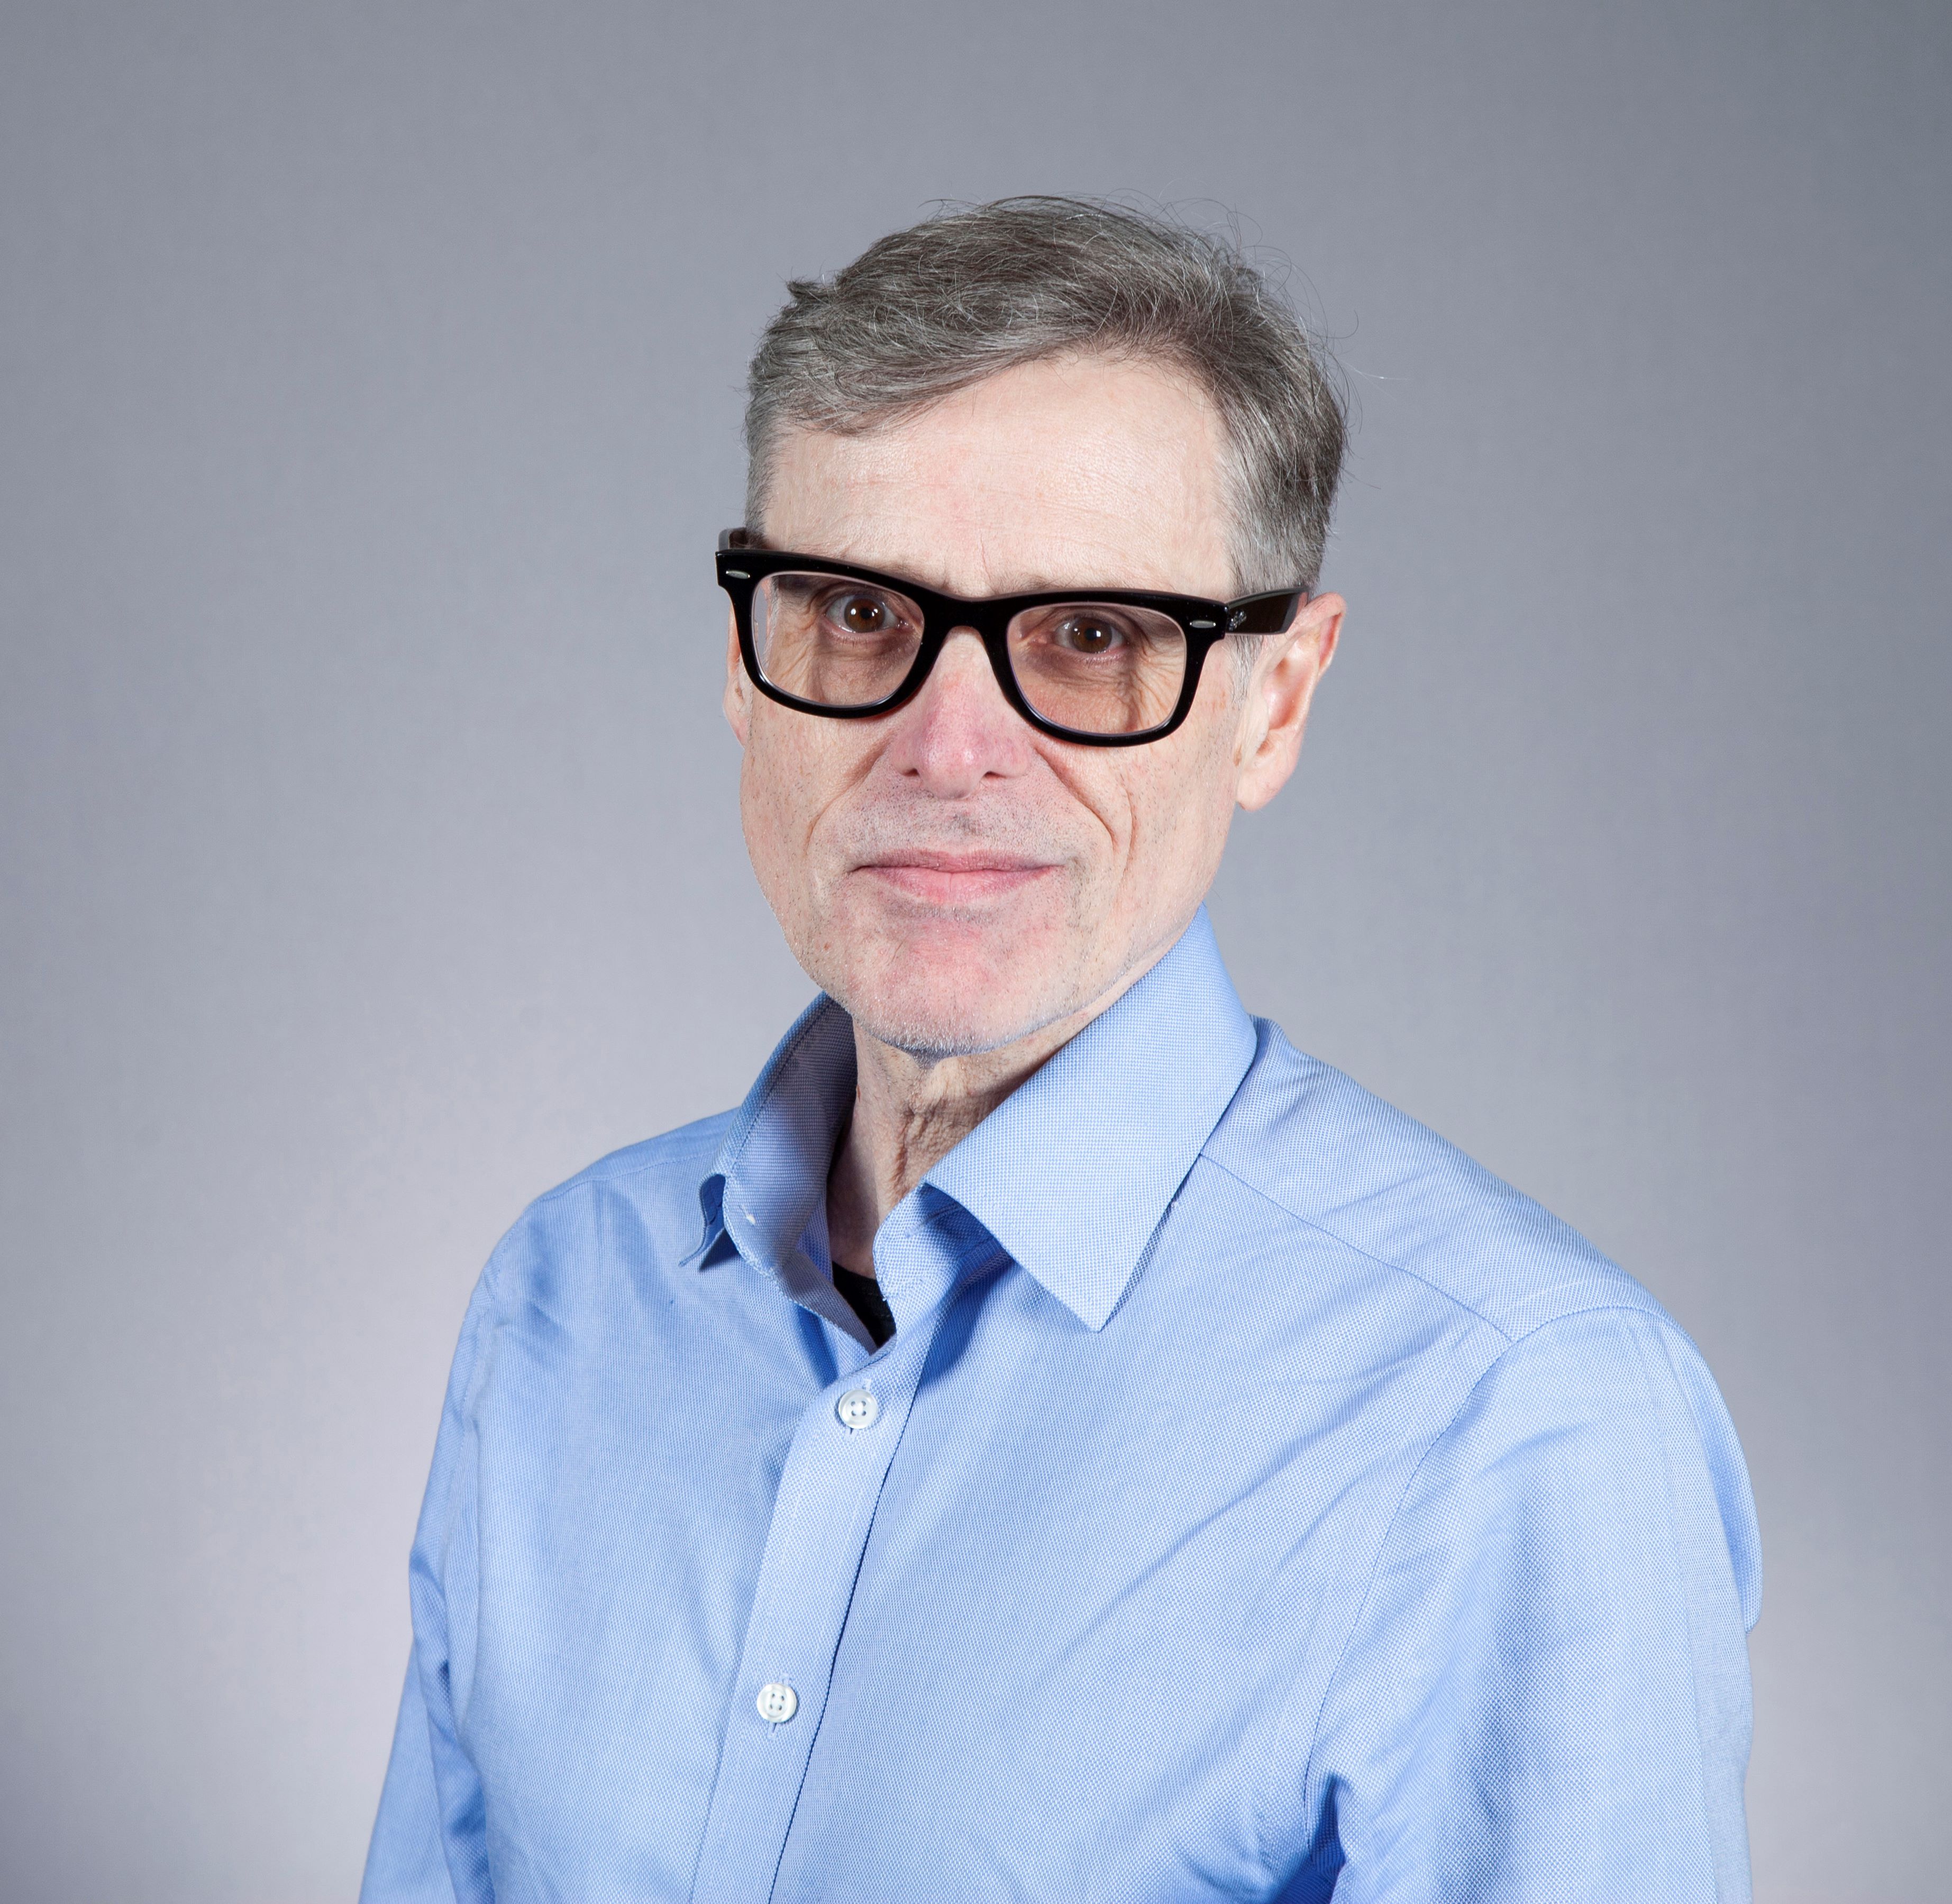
929,1033
950,1006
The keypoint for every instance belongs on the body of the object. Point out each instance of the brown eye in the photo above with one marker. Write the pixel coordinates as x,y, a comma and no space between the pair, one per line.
1086,634
862,614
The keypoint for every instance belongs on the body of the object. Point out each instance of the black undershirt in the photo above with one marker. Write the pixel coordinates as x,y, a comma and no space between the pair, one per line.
864,1297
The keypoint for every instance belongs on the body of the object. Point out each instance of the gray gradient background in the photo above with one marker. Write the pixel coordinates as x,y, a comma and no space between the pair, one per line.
368,396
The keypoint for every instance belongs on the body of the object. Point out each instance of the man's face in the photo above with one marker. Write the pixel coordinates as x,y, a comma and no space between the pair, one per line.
956,880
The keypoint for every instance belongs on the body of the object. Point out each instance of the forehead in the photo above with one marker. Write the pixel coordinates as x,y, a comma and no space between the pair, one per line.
1085,471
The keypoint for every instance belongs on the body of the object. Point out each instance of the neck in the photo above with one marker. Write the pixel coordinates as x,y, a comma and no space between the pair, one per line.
909,1113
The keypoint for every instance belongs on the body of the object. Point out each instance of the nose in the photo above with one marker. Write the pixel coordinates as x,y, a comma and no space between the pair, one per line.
959,731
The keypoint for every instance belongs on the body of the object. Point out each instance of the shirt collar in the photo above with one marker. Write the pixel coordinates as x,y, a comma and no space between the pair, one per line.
766,1193
1071,1174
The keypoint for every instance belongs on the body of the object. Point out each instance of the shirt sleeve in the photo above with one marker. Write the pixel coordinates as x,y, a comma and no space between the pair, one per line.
406,1863
1546,1696
429,1842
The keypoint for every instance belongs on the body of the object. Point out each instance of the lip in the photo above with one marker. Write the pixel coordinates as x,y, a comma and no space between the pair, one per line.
934,876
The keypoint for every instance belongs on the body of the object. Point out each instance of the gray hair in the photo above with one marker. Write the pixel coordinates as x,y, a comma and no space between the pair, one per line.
925,312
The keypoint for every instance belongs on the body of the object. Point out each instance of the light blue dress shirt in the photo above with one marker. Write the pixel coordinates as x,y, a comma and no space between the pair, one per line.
1258,1500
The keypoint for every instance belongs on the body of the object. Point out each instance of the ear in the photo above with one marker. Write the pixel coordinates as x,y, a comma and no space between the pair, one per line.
1284,677
738,701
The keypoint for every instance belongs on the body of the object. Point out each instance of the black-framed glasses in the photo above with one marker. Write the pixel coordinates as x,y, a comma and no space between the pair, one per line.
1108,667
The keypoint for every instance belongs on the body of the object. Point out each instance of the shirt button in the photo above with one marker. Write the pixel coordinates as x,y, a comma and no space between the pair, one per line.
777,1703
858,1408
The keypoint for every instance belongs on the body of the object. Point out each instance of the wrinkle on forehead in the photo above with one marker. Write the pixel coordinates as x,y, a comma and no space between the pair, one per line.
1056,474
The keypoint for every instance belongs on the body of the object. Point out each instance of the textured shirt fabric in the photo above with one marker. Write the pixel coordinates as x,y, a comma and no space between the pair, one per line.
1259,1500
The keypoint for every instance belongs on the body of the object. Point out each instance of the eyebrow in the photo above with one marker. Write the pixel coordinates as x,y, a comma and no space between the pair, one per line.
1024,584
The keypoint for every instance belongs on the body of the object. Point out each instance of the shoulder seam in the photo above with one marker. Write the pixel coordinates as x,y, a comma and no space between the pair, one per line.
1381,1262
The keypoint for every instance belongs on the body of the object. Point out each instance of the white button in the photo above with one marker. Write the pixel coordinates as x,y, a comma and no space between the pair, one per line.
777,1703
858,1408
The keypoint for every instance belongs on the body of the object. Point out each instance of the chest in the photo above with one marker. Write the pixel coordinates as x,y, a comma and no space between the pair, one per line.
1048,1639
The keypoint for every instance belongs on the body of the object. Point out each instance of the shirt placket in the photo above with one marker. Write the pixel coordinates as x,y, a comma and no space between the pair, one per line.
841,1452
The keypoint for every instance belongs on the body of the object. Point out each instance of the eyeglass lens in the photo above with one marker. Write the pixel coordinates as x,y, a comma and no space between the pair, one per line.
1096,668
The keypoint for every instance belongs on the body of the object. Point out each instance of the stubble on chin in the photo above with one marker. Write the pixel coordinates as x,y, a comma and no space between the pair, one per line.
953,996
955,987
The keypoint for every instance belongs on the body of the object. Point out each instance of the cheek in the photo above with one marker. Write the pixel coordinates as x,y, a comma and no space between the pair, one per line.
1179,807
791,772
770,790
1175,794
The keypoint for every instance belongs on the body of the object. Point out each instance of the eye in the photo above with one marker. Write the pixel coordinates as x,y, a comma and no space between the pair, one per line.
1088,635
861,611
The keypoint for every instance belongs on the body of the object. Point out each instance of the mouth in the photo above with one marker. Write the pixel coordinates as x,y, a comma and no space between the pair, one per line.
956,879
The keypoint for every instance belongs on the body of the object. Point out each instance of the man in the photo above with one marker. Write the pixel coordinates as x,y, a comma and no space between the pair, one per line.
1055,1440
